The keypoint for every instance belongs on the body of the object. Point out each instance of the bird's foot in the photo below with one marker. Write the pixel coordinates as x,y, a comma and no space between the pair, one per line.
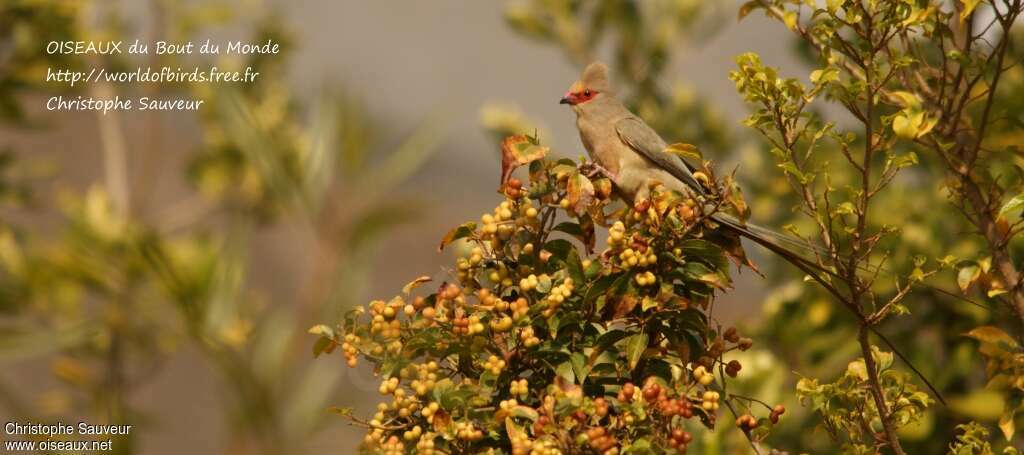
592,169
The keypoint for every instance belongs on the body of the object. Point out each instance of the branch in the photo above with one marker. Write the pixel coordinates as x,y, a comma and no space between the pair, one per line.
876,391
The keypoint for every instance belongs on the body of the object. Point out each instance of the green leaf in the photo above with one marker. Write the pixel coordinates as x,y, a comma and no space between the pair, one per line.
990,334
543,284
967,275
1015,203
824,75
845,208
524,412
907,99
883,360
565,370
790,18
635,346
322,330
574,266
857,369
570,228
442,389
906,127
603,284
640,446
407,289
559,249
320,345
648,303
790,168
340,411
579,366
969,6
706,251
462,231
697,271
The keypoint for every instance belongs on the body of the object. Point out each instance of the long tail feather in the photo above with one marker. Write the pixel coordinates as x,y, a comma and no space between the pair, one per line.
818,273
796,244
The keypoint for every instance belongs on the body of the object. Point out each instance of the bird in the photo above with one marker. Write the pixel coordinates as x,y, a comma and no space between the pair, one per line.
633,156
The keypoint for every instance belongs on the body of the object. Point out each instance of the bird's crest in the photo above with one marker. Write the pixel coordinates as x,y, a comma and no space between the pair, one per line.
595,77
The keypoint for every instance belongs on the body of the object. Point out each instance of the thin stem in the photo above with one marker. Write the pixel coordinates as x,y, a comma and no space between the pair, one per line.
876,391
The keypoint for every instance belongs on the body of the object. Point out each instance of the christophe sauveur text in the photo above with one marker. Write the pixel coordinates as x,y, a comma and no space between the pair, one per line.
145,103
30,436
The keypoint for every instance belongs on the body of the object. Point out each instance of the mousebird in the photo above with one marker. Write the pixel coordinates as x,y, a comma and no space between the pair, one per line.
634,157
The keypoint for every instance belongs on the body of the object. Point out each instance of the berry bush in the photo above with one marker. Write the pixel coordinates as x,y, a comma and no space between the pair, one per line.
539,343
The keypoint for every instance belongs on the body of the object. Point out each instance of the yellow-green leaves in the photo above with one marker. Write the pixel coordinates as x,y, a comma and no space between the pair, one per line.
408,288
824,75
912,125
992,335
1005,370
907,99
465,230
967,275
326,343
918,15
790,19
979,272
968,8
1013,205
635,346
842,403
973,439
912,122
857,369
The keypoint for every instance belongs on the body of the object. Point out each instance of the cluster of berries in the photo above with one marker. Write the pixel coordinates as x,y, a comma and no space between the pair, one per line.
349,350
519,388
494,364
466,431
528,338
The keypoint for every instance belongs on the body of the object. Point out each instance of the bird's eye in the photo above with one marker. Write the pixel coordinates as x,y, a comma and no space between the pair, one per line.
586,92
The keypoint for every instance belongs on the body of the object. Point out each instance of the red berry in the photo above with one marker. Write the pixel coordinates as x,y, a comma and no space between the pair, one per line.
677,434
628,390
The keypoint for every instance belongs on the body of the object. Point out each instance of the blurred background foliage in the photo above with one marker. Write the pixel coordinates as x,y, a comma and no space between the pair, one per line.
104,291
116,289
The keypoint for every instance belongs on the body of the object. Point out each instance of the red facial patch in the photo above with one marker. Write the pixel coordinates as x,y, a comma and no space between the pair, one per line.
585,95
579,96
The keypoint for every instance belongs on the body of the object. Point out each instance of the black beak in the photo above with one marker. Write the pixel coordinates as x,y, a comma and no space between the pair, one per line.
565,100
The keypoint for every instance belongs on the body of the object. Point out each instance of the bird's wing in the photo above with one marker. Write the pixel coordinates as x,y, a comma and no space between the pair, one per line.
645,141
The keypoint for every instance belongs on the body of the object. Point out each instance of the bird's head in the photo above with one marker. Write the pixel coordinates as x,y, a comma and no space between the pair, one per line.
592,84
